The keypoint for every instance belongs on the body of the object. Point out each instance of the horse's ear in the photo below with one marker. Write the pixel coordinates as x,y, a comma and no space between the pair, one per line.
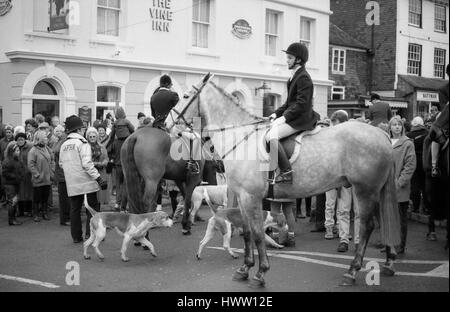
206,78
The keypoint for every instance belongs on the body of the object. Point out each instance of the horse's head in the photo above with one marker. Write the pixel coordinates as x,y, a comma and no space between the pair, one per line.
188,111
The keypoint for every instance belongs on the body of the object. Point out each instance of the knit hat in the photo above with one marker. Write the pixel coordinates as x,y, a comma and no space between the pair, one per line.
9,127
20,135
73,123
417,121
140,115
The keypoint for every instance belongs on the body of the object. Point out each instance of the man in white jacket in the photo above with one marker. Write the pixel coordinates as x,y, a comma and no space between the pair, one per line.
81,176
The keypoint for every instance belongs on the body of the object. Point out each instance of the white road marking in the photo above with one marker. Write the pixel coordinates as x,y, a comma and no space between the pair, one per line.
28,281
441,271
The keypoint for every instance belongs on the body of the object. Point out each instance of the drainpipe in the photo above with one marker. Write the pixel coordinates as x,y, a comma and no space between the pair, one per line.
371,55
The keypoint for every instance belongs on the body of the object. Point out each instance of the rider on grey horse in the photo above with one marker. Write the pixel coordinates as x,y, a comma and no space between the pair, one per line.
296,114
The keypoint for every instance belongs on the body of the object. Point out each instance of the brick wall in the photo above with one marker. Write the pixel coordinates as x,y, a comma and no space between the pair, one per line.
355,79
350,15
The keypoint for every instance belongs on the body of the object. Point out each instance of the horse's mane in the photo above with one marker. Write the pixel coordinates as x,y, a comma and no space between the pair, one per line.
235,102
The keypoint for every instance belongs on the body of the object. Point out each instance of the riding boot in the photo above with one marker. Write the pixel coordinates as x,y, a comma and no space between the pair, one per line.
285,175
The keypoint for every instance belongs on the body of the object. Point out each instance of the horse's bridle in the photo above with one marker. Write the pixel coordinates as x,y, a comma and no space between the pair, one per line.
190,124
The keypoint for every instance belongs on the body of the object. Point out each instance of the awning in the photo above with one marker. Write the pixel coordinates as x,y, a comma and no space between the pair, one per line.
392,104
422,83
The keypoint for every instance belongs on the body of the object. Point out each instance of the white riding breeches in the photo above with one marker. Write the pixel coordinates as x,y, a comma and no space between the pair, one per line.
279,129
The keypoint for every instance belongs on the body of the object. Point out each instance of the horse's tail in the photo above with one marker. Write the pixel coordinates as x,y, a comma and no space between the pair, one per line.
389,214
132,176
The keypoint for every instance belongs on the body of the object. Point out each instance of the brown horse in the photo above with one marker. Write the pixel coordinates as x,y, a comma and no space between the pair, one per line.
147,158
351,153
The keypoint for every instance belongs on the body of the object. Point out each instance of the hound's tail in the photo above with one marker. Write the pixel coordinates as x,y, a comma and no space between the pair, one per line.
208,201
89,208
389,214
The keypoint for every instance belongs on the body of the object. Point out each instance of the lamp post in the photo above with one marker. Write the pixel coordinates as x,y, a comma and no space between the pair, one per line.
263,87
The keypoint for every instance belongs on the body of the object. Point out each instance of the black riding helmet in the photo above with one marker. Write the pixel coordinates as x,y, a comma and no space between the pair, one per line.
299,50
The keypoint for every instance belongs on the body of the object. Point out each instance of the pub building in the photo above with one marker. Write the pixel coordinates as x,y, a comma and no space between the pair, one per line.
88,57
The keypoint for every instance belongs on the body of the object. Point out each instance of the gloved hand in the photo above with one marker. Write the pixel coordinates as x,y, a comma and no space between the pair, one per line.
272,117
103,184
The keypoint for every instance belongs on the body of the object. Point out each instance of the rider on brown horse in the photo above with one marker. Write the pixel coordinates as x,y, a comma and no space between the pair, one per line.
162,102
296,114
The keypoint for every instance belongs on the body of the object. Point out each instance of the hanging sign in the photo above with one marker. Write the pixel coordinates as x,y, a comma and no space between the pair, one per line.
5,7
427,96
59,9
85,114
242,29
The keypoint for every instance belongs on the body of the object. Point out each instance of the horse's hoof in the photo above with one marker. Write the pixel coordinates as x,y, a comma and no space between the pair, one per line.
235,256
240,276
387,270
101,259
256,283
125,259
87,257
186,232
198,257
348,280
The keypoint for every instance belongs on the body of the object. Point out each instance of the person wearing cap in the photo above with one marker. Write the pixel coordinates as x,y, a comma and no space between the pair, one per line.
296,114
9,137
12,174
26,186
162,101
121,129
42,167
75,157
417,134
379,112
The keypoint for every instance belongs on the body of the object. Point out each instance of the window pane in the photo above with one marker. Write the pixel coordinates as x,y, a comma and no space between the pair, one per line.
114,4
113,22
102,2
204,11
195,9
44,87
108,94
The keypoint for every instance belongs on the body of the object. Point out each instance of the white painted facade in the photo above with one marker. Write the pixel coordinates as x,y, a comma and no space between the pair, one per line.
426,36
77,61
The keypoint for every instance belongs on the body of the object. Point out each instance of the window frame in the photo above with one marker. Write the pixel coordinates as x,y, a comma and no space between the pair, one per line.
414,13
436,6
414,60
439,64
333,92
199,22
307,42
106,8
268,35
337,71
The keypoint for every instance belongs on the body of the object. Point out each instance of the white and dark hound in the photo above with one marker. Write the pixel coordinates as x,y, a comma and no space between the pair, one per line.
225,220
130,226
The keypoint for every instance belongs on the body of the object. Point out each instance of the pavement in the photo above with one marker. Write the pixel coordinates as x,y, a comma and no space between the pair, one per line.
41,257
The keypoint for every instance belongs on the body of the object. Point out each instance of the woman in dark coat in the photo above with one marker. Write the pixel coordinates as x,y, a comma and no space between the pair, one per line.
26,187
417,134
12,174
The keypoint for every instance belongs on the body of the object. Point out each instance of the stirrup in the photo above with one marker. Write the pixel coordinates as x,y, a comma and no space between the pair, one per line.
284,177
